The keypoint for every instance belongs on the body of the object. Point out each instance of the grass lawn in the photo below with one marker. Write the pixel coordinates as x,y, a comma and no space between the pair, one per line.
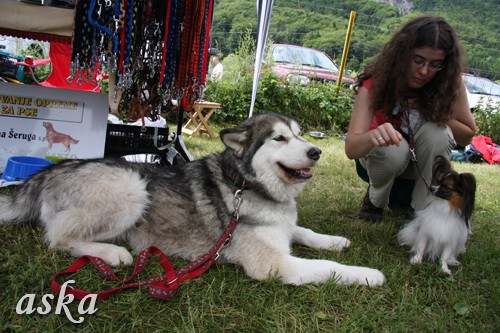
414,299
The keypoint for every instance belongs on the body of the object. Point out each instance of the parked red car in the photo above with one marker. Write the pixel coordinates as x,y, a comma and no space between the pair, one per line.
301,65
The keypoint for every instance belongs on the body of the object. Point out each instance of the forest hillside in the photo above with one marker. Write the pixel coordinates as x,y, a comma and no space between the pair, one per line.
322,24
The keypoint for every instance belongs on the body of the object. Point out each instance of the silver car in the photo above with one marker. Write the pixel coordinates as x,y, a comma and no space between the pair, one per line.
481,92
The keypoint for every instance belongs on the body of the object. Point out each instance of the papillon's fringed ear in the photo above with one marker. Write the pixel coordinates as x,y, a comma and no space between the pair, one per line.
467,188
441,166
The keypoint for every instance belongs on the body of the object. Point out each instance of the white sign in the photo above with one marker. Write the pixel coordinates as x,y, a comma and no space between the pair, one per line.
40,121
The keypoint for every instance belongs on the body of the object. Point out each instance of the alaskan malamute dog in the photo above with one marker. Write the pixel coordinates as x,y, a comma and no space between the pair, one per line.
86,205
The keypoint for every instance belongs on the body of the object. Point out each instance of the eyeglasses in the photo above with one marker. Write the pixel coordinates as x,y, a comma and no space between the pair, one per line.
432,66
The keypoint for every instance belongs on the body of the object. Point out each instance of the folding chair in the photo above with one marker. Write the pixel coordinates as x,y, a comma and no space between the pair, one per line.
198,119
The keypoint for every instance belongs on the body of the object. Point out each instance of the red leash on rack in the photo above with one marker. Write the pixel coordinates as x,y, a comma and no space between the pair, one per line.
163,286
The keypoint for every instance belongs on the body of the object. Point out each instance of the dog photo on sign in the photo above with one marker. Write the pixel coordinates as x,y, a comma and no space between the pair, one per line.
87,205
54,136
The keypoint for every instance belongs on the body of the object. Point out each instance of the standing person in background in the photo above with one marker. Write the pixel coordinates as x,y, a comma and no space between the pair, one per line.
217,70
411,95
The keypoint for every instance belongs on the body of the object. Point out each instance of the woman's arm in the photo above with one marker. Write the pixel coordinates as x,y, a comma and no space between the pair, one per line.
462,125
360,139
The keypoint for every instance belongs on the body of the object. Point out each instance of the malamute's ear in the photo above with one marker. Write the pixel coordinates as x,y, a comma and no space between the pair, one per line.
235,138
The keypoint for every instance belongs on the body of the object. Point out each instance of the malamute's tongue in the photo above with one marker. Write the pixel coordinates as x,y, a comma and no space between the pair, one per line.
299,175
305,173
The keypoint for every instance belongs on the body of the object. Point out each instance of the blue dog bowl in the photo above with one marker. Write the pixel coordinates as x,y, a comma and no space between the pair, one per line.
23,167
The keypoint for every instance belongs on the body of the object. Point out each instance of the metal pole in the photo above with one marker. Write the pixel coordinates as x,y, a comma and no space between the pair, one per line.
264,12
346,48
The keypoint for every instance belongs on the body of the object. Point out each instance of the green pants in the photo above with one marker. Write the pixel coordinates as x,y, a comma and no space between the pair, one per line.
384,164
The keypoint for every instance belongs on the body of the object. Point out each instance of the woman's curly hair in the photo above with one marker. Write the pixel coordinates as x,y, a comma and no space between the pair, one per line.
390,69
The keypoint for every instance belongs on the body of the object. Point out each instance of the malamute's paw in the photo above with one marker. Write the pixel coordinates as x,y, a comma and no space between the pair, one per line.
363,276
328,242
340,243
315,240
300,271
118,255
112,254
373,278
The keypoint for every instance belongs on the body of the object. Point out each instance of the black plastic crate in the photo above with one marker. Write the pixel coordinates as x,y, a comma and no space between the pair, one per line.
127,140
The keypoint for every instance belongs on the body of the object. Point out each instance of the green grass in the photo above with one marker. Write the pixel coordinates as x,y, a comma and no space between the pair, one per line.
414,299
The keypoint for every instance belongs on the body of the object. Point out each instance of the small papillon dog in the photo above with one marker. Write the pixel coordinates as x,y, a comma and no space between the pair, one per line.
441,228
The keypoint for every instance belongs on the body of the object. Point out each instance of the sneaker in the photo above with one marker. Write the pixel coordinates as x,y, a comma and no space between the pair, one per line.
369,212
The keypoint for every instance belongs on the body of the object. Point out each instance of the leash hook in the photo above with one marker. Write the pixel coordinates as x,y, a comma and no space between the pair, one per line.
413,155
237,201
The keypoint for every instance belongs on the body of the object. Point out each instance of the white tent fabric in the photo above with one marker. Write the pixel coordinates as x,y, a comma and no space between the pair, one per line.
264,12
25,20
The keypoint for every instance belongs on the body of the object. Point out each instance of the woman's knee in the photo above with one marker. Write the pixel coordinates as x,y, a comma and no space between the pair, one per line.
436,138
389,161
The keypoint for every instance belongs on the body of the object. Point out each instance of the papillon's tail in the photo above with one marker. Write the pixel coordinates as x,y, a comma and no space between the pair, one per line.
407,235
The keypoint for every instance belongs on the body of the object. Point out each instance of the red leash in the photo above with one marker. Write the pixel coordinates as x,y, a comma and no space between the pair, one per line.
162,286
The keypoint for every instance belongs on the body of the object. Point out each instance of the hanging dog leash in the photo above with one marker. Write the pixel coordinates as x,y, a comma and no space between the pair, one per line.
411,142
162,286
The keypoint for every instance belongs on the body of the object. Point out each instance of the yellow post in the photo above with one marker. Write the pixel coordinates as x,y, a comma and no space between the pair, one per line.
346,47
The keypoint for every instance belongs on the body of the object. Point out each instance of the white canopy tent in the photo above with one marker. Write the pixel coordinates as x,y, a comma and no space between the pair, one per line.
264,12
24,20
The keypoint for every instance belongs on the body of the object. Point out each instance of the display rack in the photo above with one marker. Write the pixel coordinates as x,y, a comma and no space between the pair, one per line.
24,20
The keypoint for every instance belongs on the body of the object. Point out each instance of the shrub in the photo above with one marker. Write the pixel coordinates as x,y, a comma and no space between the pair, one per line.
319,106
488,121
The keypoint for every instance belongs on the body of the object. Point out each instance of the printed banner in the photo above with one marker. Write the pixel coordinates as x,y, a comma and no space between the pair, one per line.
41,108
40,121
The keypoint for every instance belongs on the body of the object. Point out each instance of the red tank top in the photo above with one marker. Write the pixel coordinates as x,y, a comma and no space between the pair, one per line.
380,116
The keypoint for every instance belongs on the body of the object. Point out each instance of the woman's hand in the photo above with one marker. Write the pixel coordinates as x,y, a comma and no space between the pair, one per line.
385,135
361,139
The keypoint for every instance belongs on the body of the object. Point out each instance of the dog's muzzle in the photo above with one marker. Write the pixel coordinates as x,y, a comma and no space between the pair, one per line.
302,174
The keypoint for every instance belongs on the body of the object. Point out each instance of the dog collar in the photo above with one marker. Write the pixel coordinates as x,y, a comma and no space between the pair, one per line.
238,181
